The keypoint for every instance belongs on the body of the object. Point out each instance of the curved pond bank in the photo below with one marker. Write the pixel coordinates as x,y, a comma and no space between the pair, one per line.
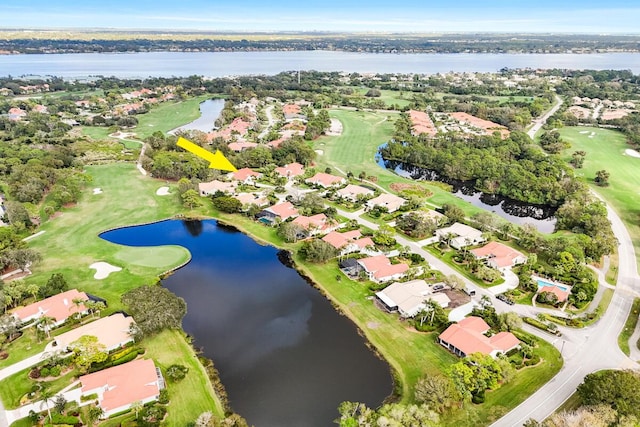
285,356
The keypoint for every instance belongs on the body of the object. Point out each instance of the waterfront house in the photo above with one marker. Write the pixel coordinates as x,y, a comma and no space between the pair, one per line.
316,224
117,388
248,199
468,336
212,187
350,241
281,211
379,268
112,331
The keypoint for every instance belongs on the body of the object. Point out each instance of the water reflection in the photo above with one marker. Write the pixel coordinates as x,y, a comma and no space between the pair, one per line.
540,216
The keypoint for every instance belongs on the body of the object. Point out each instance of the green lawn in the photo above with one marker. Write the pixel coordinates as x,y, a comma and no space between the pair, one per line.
167,116
194,394
355,150
605,150
629,327
23,347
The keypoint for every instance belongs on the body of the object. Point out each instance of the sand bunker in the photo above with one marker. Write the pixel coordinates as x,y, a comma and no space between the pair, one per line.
97,190
103,269
163,191
632,153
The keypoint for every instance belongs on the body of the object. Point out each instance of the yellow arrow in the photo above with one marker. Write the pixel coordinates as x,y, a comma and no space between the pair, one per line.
216,160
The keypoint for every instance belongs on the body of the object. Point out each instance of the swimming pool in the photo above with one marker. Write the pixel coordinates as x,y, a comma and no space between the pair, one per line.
543,283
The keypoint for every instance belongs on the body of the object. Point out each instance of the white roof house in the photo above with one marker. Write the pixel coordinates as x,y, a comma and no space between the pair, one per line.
410,298
389,201
462,235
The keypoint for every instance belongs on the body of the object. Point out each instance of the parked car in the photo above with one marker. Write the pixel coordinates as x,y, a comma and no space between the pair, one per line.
470,292
505,299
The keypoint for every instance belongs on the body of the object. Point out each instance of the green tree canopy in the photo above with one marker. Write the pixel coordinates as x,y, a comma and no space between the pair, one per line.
155,308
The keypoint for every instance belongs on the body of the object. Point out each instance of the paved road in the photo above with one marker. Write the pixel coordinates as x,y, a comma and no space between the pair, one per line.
590,349
270,119
537,123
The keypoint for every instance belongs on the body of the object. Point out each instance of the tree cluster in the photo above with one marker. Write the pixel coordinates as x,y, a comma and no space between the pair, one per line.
155,308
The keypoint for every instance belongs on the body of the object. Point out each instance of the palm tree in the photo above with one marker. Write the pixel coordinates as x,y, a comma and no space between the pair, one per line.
46,323
136,407
47,397
94,414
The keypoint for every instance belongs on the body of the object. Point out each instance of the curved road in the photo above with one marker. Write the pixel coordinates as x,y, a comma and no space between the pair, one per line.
539,122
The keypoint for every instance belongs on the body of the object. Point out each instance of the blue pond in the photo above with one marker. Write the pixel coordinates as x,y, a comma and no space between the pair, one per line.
285,356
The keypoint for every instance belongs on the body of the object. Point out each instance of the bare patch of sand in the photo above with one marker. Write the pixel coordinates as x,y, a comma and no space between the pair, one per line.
97,190
373,325
335,128
162,191
320,152
103,269
632,153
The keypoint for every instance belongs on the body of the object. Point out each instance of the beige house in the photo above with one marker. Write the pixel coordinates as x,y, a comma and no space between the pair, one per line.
112,332
410,298
386,200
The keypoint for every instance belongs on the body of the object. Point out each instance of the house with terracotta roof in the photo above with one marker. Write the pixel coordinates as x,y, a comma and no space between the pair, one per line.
351,192
291,170
112,331
16,114
499,256
39,108
241,146
561,295
120,386
351,241
276,142
389,201
245,175
486,127
248,199
379,268
468,336
281,211
293,112
212,187
421,123
316,224
326,180
411,297
460,235
60,307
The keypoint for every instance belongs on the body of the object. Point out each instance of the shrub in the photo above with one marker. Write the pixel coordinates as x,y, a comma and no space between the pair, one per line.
164,396
63,419
177,372
44,372
55,371
478,398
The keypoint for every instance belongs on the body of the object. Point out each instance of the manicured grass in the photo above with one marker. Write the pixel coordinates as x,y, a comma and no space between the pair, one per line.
97,133
363,132
605,150
389,97
71,243
17,385
167,116
194,394
23,347
629,327
611,275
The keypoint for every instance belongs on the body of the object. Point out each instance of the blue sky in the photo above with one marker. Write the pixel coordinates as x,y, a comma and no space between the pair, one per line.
587,16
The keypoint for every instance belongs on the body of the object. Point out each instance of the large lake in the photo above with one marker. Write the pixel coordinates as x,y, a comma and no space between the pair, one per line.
218,64
285,356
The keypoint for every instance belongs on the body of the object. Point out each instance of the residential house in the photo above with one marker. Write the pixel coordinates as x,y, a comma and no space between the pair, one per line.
468,336
119,387
351,192
410,298
293,112
421,123
112,331
39,108
487,127
281,211
60,307
350,241
386,200
248,199
559,293
291,170
499,256
241,146
316,224
16,114
245,175
460,235
326,180
379,268
215,186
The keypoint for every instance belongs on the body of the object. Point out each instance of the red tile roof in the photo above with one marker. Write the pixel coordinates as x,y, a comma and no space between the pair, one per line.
468,337
486,125
289,109
422,123
559,293
244,173
283,210
339,240
325,179
124,384
381,266
499,254
243,145
60,306
290,170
